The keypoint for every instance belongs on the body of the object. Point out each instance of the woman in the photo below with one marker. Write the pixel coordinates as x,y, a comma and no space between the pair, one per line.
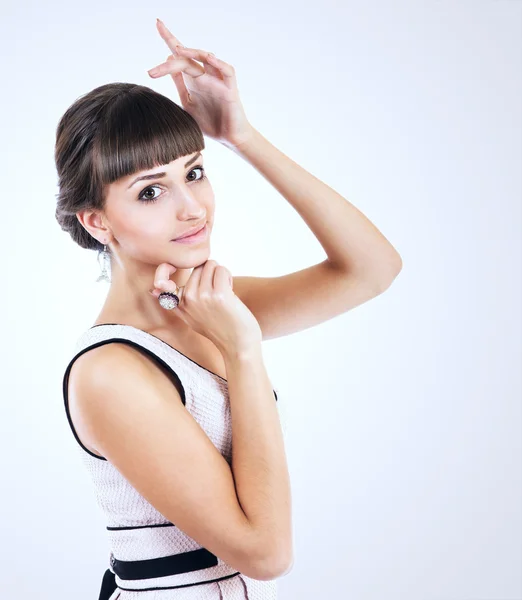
167,394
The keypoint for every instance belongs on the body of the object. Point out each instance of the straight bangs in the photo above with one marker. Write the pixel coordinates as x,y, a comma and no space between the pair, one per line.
142,130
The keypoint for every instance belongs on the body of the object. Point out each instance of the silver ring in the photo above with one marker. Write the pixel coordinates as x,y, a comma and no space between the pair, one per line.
170,300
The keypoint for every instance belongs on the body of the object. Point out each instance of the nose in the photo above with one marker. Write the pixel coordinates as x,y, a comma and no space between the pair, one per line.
190,209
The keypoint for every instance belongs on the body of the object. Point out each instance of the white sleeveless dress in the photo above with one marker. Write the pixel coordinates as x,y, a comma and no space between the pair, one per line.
149,557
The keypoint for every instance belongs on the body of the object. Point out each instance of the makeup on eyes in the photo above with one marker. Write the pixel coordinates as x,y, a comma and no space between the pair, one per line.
161,174
147,200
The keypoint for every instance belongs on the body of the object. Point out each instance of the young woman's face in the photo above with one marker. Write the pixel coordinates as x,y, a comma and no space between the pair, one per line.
146,211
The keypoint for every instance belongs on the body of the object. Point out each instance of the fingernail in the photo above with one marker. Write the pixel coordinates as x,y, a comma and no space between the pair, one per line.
160,283
154,71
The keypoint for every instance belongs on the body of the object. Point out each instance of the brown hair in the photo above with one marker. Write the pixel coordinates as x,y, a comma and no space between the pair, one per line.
111,132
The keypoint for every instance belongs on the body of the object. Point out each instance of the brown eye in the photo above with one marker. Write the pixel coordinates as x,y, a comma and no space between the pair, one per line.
147,198
198,168
145,195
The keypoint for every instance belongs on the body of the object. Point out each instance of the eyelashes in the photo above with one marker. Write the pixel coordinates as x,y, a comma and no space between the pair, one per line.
142,198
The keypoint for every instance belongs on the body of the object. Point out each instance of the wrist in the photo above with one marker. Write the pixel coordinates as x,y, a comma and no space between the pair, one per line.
239,144
242,354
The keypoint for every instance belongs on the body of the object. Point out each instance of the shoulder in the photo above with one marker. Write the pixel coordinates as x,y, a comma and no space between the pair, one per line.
110,385
106,359
90,378
123,359
118,369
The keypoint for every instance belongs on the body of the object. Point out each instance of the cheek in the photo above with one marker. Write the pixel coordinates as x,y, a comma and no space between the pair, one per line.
141,231
210,205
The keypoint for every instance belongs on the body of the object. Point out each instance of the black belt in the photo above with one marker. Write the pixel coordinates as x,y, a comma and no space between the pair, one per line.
164,566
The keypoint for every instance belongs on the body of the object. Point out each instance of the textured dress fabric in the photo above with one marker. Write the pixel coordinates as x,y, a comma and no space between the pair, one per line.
149,557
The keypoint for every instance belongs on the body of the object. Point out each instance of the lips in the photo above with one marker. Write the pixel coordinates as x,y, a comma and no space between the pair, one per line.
191,232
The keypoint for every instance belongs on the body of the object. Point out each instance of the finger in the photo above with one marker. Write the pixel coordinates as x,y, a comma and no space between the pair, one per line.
207,276
227,71
222,279
202,56
164,271
192,285
176,65
170,39
162,277
179,82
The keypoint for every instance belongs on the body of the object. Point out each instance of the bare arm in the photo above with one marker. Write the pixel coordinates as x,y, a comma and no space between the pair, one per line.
130,412
258,456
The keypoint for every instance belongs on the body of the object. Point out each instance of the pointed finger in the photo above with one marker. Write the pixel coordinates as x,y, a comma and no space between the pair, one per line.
170,39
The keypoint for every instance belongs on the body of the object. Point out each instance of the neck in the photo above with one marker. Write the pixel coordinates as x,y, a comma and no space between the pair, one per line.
129,302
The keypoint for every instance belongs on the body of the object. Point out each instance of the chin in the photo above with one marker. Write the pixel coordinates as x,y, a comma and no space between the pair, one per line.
193,258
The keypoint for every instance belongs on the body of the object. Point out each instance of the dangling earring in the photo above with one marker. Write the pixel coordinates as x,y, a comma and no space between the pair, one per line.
106,263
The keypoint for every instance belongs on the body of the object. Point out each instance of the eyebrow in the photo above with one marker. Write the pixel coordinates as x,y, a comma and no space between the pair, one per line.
162,173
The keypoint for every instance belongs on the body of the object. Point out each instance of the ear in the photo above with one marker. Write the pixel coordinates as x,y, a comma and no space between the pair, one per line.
92,221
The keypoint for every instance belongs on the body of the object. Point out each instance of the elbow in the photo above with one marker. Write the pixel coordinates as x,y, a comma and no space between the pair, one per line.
383,283
275,565
285,567
272,570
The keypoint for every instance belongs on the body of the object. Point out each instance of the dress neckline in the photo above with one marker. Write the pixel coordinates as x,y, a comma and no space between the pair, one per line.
164,342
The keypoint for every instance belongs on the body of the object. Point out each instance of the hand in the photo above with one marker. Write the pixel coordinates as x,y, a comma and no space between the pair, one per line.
207,92
209,306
